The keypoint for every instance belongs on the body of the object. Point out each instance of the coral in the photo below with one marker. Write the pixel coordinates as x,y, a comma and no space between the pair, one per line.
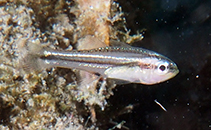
51,98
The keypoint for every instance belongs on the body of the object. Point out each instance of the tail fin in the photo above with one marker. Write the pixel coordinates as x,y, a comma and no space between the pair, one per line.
29,57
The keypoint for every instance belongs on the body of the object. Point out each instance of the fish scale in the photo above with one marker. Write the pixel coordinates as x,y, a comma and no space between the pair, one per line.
142,65
111,55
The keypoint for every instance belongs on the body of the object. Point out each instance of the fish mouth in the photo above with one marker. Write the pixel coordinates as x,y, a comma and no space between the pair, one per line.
174,70
173,67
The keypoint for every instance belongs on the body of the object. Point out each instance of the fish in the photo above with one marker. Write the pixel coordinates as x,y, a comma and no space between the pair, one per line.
126,64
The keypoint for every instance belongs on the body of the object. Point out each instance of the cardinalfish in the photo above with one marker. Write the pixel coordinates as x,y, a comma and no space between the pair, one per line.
127,64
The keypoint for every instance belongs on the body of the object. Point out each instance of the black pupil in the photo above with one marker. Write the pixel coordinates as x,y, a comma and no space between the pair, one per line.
162,67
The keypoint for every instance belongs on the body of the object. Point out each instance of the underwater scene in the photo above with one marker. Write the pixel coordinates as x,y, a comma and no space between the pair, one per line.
105,65
180,30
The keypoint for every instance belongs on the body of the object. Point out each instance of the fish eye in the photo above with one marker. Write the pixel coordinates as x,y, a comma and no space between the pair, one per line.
162,67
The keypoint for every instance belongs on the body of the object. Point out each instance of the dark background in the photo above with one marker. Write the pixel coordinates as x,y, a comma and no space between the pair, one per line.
180,30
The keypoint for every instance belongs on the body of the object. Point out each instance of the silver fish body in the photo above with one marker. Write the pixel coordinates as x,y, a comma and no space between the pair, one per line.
130,64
